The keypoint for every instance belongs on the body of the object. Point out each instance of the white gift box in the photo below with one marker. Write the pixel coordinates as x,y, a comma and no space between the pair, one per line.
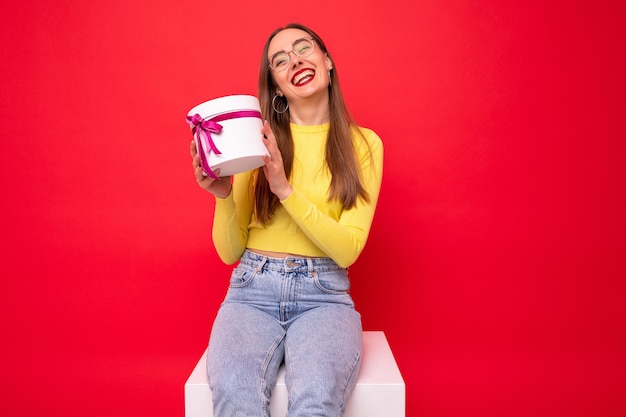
228,134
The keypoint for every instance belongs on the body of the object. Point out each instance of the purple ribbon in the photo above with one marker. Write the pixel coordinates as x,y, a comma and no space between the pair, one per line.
202,129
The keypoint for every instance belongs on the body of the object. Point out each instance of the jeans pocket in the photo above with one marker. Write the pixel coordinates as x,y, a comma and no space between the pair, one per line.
242,276
332,282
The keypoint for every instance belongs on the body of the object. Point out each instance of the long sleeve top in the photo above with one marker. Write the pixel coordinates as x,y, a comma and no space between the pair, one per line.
305,223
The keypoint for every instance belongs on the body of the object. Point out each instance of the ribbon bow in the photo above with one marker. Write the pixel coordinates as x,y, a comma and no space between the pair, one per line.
202,130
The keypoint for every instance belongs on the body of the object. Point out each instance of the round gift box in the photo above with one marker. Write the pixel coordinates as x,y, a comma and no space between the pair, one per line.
239,140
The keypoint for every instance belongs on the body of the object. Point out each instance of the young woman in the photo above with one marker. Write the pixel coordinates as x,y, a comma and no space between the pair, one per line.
294,225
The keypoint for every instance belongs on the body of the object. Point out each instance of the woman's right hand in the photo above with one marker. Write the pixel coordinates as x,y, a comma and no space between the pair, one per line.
220,187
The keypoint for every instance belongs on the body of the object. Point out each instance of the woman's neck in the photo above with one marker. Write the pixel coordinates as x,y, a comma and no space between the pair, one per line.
309,112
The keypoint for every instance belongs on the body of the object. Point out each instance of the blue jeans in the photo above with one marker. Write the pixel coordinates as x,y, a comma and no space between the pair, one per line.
292,310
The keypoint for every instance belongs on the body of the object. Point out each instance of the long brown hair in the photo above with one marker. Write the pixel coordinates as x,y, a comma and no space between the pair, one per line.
341,158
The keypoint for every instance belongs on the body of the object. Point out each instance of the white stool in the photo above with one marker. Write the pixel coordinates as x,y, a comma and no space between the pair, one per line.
380,389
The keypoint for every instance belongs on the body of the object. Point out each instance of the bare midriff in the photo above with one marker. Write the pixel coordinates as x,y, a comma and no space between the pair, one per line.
276,254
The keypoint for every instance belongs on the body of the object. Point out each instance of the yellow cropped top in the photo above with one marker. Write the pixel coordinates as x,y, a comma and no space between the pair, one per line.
306,223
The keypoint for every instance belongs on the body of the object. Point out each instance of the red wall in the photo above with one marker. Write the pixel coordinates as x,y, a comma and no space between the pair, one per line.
496,260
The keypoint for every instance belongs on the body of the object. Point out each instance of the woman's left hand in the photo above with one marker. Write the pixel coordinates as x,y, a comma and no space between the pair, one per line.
274,169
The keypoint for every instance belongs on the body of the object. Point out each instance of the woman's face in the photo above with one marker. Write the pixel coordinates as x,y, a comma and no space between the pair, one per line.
303,76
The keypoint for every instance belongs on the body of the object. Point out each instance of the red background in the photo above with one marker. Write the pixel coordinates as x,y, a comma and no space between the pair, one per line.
496,261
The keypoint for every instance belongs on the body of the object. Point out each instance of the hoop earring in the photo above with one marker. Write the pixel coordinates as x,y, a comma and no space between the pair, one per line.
274,105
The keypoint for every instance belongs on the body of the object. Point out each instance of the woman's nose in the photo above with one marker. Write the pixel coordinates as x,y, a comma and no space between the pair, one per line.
294,59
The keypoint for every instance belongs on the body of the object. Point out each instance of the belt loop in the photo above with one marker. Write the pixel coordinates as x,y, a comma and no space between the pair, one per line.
261,264
310,266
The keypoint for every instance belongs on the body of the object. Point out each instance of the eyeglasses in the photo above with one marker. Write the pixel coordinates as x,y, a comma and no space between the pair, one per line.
302,48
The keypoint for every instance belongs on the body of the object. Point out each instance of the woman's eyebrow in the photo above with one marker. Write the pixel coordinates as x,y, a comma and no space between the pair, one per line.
282,50
276,53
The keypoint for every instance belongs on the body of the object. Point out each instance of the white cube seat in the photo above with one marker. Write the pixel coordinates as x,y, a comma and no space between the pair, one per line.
380,389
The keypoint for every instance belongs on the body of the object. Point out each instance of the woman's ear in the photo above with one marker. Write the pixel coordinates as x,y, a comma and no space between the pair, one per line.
329,63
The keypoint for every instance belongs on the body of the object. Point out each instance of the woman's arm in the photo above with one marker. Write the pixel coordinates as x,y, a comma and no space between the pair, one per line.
343,239
231,220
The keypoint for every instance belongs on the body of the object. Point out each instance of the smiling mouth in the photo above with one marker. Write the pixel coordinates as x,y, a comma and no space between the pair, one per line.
303,77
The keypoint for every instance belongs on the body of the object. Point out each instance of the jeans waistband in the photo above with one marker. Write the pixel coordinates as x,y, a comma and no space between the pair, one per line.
288,264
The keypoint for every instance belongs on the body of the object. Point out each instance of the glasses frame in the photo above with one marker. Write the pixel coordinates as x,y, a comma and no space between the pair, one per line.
308,53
